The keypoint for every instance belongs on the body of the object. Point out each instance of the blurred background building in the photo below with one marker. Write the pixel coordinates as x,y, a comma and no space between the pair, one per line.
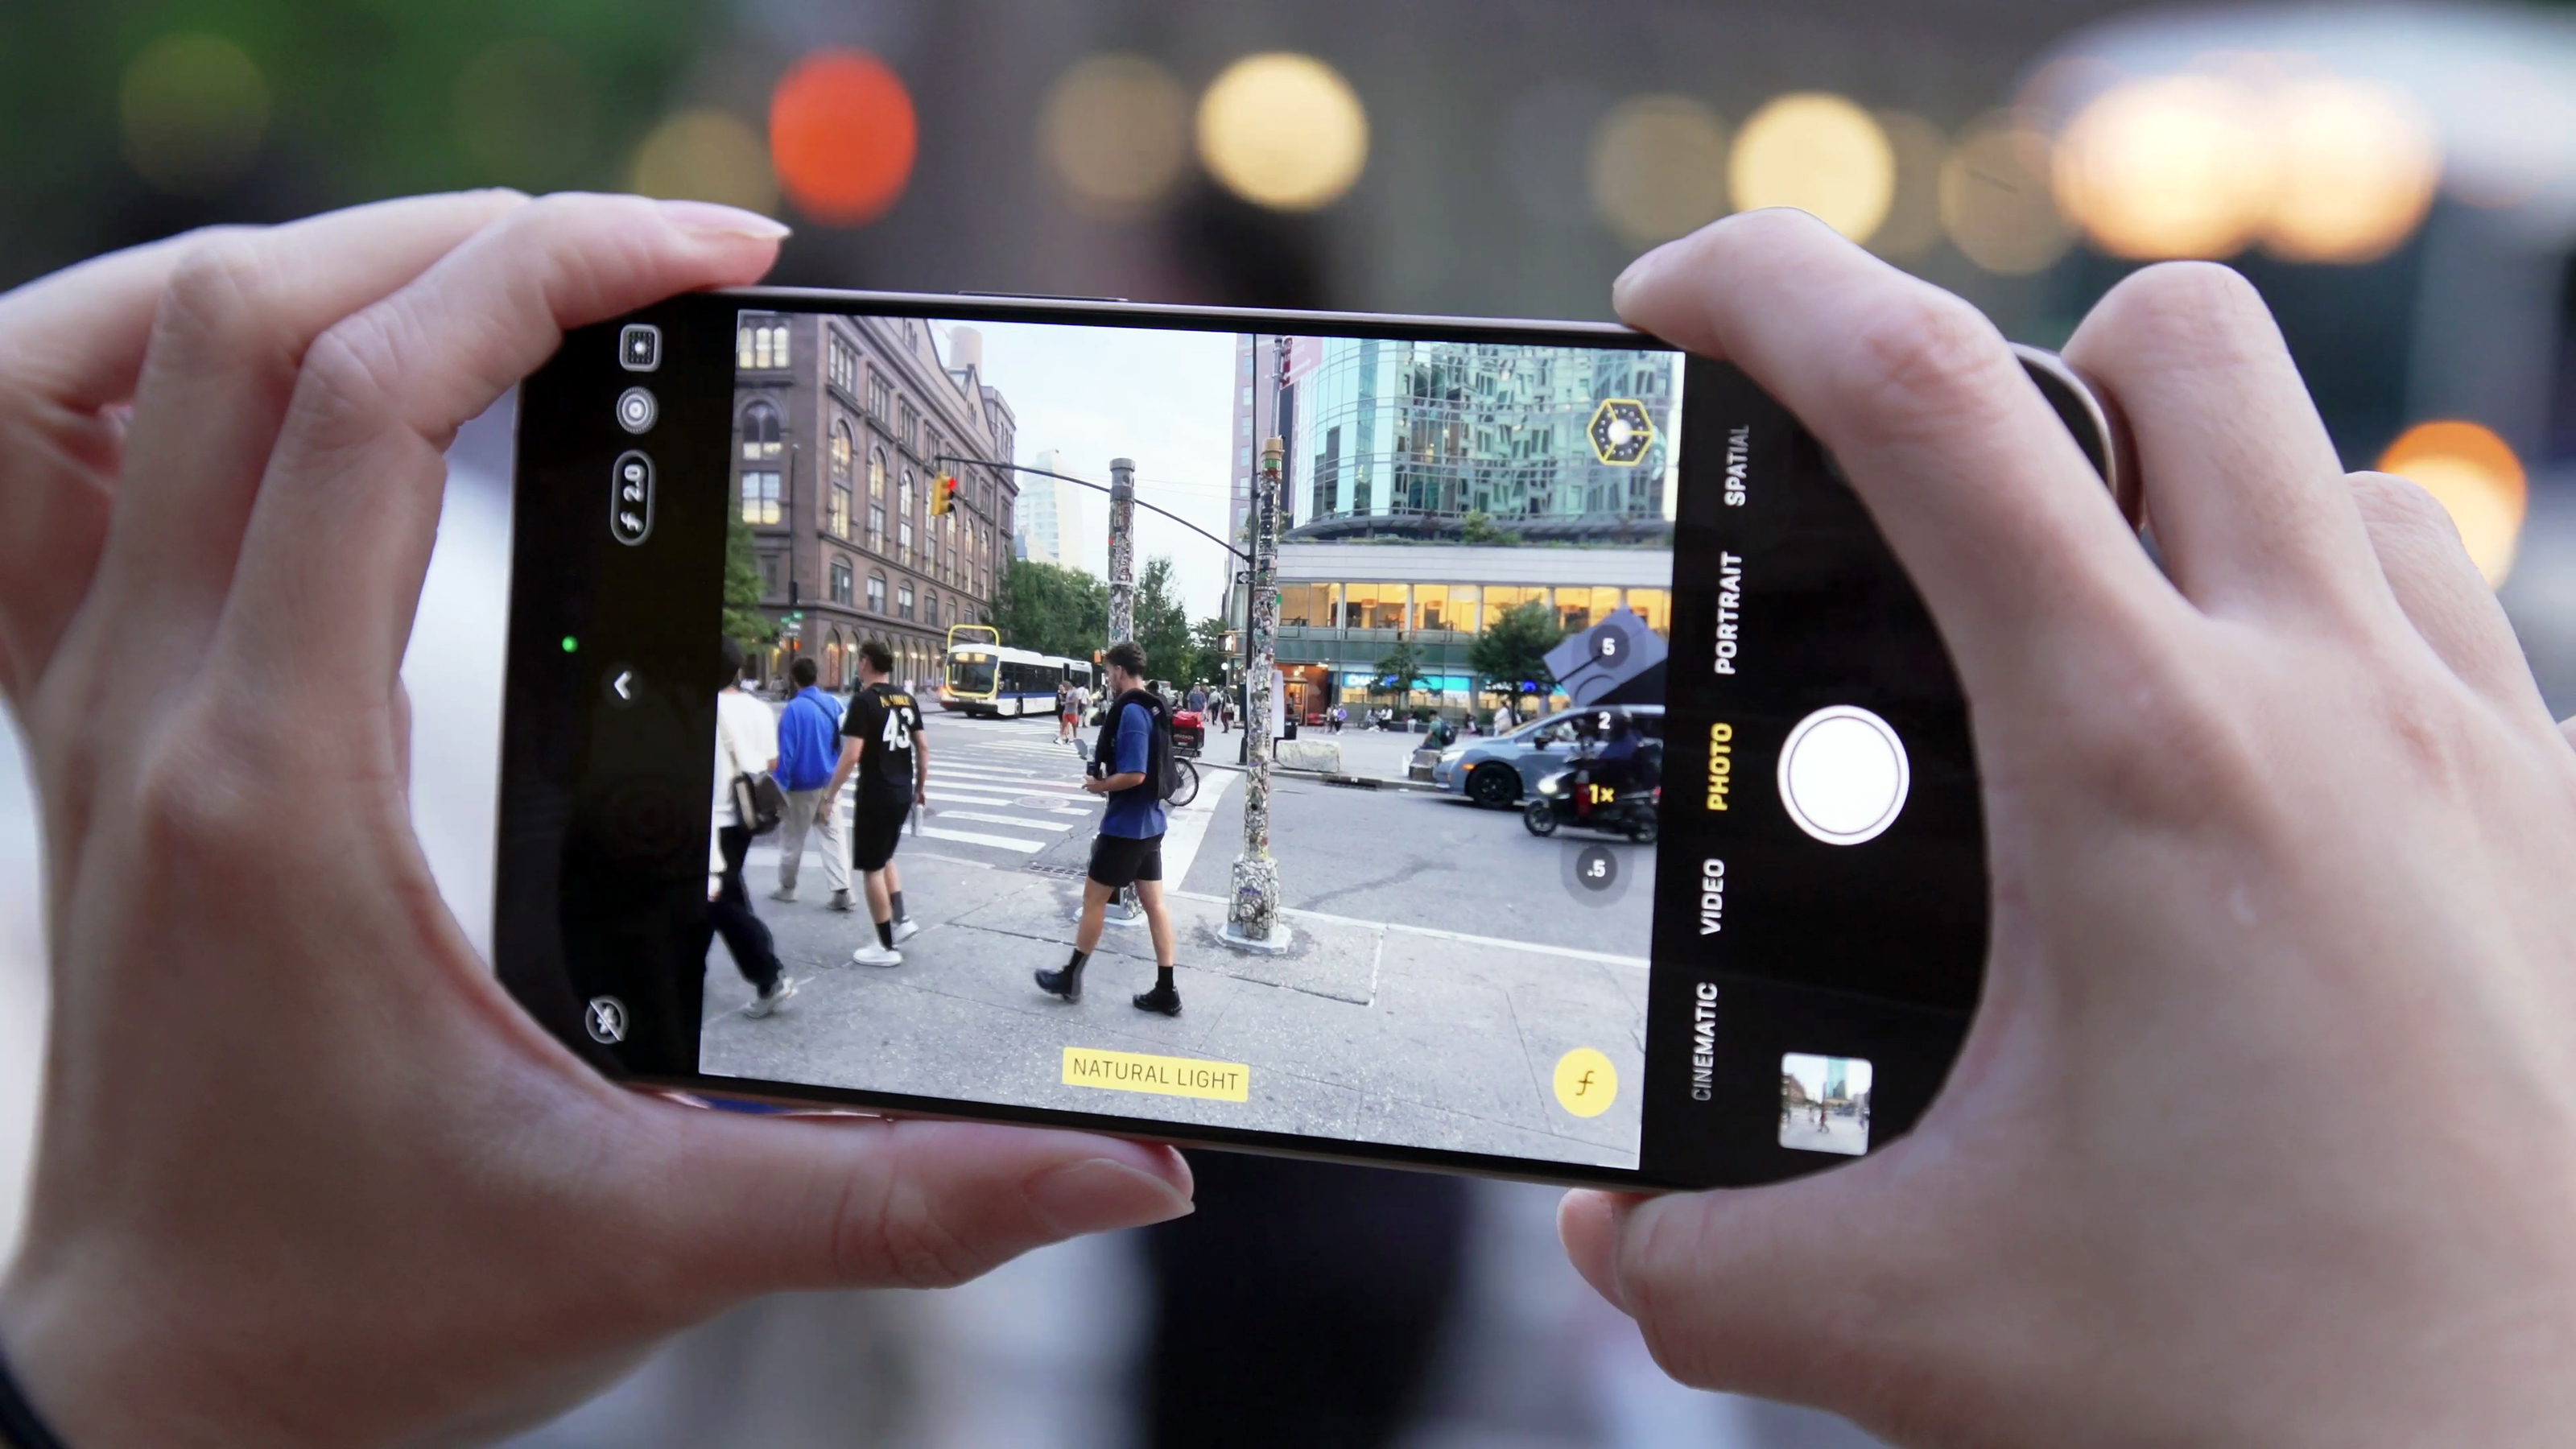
2398,179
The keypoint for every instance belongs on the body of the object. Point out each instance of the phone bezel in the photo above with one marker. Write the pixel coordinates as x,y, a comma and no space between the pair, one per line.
1095,312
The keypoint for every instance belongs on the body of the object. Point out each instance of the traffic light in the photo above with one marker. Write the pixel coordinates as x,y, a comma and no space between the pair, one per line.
943,495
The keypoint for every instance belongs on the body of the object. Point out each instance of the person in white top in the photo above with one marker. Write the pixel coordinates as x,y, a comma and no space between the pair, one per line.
746,744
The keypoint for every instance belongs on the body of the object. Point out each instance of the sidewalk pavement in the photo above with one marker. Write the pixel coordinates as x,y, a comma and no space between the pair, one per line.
1364,1030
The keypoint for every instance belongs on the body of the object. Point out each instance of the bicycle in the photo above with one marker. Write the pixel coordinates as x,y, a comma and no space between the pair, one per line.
1185,783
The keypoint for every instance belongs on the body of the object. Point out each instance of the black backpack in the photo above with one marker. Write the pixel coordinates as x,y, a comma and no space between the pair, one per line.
1162,771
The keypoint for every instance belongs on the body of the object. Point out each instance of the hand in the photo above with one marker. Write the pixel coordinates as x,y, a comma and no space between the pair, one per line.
920,796
2266,1128
306,1175
1096,784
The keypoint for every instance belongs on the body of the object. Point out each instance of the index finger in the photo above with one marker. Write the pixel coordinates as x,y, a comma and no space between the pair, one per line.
1979,489
77,337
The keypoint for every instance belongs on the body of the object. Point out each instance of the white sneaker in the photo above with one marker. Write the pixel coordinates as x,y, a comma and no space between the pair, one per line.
905,930
767,1001
783,893
873,954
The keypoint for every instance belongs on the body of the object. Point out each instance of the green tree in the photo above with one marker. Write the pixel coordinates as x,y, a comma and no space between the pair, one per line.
1208,654
1052,609
1480,528
742,616
1163,624
1514,647
1399,671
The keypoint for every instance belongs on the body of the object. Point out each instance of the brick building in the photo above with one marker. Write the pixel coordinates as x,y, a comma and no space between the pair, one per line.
838,422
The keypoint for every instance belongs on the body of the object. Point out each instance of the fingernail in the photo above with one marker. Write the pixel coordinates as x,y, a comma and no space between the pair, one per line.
1098,1195
706,218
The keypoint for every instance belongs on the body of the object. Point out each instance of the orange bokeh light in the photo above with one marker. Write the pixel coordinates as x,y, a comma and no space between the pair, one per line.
2477,479
841,136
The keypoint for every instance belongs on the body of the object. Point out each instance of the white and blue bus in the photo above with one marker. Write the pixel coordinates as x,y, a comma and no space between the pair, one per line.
991,681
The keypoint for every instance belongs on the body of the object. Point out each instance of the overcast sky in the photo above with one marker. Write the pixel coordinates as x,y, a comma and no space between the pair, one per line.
1164,399
1810,1072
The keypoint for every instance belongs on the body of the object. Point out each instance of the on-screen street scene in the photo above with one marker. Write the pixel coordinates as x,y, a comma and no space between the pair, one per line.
1442,962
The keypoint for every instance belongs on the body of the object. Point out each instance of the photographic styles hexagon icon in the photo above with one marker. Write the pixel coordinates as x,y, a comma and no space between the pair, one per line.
1620,432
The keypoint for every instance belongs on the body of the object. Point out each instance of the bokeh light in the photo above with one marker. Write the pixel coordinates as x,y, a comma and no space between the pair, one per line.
1914,206
1819,153
2358,164
1995,198
194,109
705,155
1114,129
1283,130
1658,168
526,113
841,136
2171,166
2478,481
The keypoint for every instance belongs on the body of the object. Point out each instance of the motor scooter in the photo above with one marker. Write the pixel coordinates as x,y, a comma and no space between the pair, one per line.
1582,792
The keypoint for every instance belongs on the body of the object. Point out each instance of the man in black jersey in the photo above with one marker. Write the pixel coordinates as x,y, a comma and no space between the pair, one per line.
881,743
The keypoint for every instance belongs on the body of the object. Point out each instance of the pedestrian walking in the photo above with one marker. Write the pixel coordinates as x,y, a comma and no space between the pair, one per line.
746,747
1502,718
1198,700
881,744
809,745
1063,713
1130,765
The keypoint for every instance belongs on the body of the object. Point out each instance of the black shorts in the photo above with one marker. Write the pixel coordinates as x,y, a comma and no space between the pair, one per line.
876,828
1119,861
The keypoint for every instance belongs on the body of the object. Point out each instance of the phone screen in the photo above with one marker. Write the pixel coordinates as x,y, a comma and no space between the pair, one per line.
1619,822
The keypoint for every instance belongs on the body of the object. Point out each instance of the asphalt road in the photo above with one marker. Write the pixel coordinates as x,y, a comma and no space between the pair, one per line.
1420,859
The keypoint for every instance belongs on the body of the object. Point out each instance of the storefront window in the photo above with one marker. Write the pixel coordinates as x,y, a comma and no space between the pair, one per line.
1501,599
1431,606
1373,606
1306,606
1655,606
1583,608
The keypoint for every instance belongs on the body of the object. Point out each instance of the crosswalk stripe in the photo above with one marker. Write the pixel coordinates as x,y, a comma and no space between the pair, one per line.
999,842
1021,821
968,799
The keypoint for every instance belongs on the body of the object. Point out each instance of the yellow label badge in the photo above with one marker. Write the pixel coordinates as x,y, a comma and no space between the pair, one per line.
1163,1076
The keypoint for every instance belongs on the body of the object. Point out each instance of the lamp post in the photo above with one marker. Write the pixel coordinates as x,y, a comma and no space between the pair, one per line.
1125,909
1122,550
1252,919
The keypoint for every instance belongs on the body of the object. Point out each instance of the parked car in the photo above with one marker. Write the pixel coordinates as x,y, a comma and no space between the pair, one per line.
1500,771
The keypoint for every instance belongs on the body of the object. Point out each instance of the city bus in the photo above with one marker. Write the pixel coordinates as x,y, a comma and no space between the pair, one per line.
991,681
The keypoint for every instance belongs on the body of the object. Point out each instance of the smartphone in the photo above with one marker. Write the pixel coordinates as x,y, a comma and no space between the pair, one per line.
1645,853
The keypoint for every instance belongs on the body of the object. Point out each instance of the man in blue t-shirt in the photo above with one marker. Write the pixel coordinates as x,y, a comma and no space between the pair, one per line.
1133,750
809,744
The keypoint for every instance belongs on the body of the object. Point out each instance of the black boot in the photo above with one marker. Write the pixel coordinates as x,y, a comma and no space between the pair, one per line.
1064,981
1162,998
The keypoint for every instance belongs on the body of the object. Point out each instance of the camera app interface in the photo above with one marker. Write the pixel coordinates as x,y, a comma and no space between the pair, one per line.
1000,593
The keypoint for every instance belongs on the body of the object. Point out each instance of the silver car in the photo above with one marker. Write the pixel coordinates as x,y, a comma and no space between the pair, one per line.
1505,769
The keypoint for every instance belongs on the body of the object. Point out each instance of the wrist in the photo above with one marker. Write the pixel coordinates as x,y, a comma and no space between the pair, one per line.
22,1424
106,1369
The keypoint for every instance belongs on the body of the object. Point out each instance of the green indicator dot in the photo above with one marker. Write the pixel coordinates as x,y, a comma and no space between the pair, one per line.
571,643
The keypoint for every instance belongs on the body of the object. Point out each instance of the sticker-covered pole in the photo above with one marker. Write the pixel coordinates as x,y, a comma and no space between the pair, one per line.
1252,920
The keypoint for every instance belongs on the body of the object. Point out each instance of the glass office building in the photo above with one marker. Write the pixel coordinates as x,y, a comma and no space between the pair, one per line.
1407,438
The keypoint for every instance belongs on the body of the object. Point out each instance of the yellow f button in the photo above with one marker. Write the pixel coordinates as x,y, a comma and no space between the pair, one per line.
1586,1083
